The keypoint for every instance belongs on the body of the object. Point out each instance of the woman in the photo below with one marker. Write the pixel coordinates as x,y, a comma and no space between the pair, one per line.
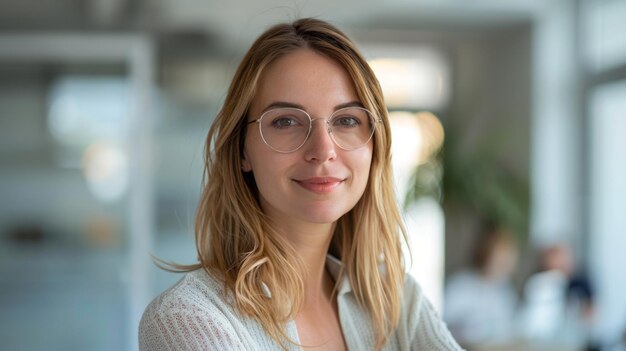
298,232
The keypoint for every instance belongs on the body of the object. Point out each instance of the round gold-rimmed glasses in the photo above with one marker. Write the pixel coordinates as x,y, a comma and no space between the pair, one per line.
286,129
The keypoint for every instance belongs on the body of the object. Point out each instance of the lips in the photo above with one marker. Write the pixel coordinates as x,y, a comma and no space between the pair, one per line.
320,184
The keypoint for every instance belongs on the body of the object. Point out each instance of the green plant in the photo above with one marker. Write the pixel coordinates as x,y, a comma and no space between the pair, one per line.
473,180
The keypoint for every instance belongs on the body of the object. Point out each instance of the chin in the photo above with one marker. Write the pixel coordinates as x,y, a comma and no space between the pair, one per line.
324,216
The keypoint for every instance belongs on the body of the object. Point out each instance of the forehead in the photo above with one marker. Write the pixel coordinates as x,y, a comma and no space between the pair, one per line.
307,78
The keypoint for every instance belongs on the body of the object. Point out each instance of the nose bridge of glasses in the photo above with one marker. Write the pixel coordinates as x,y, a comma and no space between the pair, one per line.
326,121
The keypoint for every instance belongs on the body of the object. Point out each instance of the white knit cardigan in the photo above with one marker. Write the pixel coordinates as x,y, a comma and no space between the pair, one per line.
197,314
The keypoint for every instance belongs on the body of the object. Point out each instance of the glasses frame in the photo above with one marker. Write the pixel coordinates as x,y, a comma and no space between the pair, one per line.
374,120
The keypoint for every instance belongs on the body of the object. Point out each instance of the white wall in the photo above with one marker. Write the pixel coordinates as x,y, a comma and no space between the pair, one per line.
608,212
556,122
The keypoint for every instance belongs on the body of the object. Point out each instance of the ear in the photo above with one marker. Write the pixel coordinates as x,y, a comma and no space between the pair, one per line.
245,164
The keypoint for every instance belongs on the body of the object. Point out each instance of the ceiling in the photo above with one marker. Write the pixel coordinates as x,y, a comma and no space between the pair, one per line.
232,24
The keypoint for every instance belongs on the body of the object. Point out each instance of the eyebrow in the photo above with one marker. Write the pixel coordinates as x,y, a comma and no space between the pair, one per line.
281,104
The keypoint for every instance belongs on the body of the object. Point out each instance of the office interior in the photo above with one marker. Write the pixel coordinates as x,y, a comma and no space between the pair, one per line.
511,112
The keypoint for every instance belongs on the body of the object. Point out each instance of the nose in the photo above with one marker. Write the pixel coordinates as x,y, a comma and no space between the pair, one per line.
320,146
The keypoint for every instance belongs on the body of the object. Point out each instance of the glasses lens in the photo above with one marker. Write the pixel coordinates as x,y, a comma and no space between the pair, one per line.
352,127
285,129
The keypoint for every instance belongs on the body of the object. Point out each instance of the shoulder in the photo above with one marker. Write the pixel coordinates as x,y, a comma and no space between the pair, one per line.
420,324
195,310
413,298
195,290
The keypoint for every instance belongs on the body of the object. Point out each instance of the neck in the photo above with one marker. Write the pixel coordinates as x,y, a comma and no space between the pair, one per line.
311,243
318,283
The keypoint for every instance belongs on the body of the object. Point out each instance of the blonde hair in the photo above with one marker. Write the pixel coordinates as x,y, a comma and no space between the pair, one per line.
236,241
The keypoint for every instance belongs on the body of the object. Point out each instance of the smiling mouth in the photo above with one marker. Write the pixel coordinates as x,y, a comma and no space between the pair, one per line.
320,185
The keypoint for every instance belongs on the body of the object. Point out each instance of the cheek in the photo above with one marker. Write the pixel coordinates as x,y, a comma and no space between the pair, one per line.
268,167
362,168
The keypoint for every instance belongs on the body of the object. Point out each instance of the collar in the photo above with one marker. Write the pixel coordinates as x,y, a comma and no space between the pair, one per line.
336,269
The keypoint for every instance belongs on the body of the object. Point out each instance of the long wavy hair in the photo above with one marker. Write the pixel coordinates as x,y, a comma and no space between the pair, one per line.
237,242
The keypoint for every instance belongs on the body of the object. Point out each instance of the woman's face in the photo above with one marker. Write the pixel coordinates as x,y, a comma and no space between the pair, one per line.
319,182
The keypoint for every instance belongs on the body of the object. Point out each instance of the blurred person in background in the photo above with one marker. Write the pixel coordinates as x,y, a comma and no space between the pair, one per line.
481,301
298,231
558,301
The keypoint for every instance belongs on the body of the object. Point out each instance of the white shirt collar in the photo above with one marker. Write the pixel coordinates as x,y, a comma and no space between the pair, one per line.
336,269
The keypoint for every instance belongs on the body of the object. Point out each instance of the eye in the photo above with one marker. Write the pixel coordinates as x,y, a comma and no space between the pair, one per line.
346,121
283,122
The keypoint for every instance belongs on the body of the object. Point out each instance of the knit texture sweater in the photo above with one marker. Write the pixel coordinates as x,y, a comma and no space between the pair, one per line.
197,314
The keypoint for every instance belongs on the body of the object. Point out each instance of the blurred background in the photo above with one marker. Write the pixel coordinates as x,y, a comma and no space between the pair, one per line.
509,152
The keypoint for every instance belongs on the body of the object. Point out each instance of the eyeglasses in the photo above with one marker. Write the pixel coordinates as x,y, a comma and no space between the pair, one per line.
286,129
